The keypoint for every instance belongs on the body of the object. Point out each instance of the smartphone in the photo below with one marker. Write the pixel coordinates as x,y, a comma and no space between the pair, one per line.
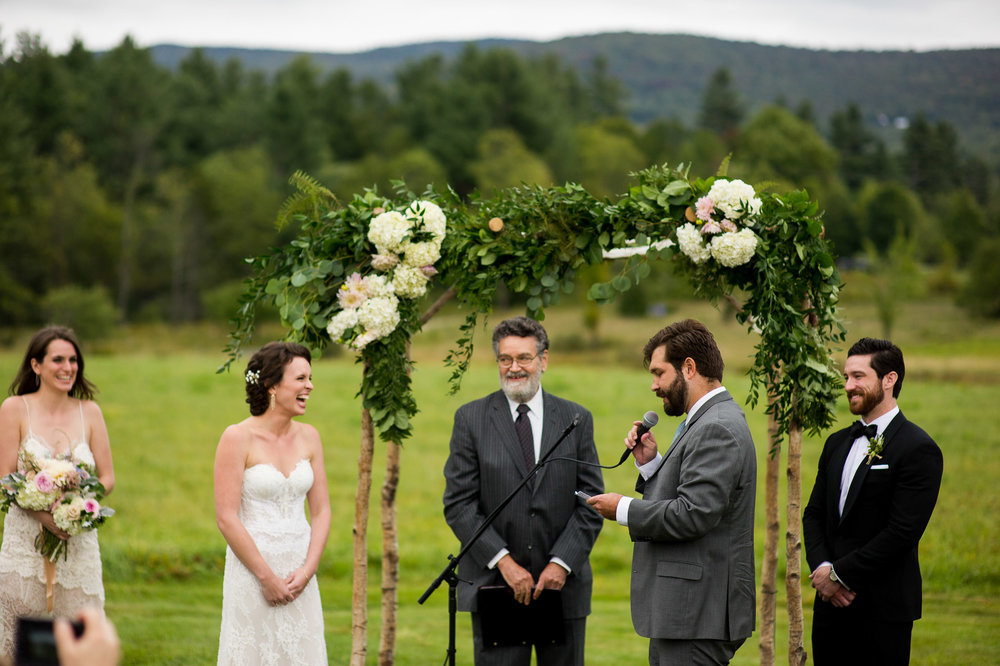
582,495
35,644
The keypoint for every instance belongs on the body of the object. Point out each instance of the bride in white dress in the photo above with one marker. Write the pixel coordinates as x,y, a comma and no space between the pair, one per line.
265,466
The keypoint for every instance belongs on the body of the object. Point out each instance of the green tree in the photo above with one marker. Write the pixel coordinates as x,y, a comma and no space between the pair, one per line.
295,135
721,109
606,158
662,140
862,155
981,293
504,162
963,223
778,146
930,160
886,211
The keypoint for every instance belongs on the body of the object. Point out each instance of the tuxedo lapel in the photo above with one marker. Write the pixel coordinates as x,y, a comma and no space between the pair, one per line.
862,473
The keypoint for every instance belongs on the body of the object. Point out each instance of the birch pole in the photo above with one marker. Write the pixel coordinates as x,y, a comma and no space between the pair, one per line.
359,595
769,567
793,548
390,557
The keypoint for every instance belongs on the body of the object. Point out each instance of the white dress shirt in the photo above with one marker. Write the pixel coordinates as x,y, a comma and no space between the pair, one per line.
647,470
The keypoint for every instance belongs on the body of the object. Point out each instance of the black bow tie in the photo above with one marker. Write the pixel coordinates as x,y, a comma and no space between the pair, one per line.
858,430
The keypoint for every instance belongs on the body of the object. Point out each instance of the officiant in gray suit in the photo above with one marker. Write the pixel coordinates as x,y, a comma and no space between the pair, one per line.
542,539
693,587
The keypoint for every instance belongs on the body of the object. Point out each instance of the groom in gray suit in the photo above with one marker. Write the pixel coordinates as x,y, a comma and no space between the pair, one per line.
693,588
542,539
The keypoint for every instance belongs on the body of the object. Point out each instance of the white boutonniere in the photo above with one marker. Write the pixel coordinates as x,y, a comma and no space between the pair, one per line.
875,447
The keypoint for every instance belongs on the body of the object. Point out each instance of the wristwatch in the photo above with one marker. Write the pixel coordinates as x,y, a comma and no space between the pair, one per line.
835,579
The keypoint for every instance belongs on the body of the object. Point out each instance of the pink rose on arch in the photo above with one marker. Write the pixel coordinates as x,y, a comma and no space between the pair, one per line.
44,483
728,225
704,208
428,271
711,228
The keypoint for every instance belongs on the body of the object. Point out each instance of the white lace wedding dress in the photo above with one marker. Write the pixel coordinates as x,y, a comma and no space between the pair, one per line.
22,572
253,632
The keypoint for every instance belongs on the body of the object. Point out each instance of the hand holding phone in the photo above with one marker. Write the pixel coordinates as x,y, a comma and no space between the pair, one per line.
582,495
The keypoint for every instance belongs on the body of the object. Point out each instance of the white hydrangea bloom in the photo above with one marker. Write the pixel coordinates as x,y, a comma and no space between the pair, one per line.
387,232
409,281
379,315
689,239
342,321
734,198
383,262
421,254
66,516
432,215
31,498
379,286
734,249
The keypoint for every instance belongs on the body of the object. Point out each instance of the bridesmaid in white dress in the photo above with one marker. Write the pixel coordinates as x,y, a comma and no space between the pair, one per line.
265,466
50,414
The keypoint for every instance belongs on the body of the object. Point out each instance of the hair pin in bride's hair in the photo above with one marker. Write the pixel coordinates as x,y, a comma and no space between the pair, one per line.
253,376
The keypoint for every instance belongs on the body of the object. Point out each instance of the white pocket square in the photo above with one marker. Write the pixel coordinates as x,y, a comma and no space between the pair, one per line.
880,467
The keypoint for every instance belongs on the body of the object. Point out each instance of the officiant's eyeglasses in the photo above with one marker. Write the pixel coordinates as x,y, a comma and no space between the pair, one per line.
523,360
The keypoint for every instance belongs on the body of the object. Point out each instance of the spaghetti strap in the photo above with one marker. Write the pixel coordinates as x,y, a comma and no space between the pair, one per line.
28,411
83,424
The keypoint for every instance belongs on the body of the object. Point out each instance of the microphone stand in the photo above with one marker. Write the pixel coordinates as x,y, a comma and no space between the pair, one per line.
451,577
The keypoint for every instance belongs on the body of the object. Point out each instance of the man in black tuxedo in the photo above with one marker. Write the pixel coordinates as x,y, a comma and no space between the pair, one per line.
542,539
875,490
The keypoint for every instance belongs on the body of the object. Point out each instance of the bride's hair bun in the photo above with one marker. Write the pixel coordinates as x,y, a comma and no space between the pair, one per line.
266,369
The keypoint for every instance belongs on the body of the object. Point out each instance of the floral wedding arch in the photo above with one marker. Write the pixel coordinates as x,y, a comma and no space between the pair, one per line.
357,275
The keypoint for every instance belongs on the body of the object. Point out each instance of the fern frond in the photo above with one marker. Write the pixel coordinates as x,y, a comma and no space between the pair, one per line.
307,200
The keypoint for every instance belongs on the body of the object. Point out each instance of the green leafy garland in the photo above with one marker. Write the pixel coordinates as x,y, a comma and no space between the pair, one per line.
767,249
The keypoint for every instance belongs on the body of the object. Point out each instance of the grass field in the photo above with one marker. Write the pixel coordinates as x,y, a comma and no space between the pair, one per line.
165,408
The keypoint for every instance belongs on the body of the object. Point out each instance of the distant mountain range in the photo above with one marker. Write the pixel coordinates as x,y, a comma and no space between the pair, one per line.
665,75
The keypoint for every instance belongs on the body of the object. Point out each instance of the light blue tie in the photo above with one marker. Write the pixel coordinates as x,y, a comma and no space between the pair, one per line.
677,434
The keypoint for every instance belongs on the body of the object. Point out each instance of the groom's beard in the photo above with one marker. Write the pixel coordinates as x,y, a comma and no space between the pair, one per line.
870,398
521,391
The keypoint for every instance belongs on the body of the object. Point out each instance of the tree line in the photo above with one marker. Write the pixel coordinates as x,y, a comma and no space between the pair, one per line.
137,191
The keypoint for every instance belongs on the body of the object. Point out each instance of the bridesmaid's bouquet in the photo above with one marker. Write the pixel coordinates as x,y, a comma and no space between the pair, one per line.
70,491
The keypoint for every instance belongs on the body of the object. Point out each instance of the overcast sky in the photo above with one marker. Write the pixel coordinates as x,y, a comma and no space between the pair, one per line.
346,27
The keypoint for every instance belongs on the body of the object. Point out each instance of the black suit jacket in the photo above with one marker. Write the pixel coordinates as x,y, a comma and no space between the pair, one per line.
544,519
873,546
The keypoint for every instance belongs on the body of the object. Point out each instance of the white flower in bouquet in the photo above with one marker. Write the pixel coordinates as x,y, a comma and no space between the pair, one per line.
353,292
67,515
379,315
690,241
379,286
362,340
387,232
421,254
734,249
409,281
38,493
433,217
384,262
341,322
735,199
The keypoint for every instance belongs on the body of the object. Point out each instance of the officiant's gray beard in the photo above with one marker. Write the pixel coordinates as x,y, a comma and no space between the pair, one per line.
521,391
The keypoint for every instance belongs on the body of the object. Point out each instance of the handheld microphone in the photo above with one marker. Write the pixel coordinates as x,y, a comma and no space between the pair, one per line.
649,419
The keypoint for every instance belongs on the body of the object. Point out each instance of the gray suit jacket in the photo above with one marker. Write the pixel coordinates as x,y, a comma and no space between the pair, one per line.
693,560
485,464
